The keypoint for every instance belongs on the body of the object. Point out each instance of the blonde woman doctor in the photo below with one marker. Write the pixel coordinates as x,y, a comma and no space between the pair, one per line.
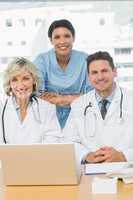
101,121
26,119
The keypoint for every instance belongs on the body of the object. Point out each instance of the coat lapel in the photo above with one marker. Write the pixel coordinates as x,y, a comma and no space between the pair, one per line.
95,106
114,106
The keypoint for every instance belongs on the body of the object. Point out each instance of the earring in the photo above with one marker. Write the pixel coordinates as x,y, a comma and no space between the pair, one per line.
34,87
10,92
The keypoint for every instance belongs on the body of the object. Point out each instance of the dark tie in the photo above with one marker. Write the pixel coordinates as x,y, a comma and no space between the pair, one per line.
103,108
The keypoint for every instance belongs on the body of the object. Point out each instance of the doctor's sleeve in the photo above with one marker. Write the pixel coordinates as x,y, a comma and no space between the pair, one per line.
51,128
71,134
128,153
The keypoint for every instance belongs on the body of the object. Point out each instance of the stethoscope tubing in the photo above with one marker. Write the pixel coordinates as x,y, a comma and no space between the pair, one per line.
3,124
3,114
90,105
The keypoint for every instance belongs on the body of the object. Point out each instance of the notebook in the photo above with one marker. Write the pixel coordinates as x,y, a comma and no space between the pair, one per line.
125,174
101,168
40,164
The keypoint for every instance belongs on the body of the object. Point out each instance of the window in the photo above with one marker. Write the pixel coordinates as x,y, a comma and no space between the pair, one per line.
9,43
22,22
102,21
9,23
23,43
38,22
125,51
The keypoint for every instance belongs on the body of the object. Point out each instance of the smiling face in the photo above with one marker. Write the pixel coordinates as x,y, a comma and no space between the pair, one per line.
62,40
22,84
102,76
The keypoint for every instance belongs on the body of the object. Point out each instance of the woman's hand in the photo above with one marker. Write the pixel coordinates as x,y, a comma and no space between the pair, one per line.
58,99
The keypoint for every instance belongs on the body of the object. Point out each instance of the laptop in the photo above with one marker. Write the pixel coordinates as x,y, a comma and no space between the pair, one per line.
40,164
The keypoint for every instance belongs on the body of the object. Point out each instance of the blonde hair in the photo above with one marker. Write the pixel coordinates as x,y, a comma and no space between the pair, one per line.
13,69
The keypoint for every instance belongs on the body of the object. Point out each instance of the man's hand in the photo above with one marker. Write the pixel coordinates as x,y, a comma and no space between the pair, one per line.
105,154
94,158
110,154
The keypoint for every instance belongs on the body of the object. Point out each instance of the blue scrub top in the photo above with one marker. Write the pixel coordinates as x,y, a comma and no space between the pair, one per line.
72,80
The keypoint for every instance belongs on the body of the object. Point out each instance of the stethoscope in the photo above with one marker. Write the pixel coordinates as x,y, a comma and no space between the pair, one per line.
90,105
38,119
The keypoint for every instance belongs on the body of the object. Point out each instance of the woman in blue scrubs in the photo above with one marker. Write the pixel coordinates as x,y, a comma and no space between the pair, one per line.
63,71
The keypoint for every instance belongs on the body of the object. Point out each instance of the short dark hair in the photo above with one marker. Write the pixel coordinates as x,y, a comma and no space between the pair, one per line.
100,55
61,23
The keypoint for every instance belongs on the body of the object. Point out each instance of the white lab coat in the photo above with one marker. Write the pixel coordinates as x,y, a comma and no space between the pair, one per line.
39,126
92,132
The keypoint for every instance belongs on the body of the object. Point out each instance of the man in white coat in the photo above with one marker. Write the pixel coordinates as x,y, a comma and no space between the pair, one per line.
101,121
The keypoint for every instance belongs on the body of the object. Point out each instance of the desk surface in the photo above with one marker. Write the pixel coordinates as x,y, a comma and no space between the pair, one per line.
80,192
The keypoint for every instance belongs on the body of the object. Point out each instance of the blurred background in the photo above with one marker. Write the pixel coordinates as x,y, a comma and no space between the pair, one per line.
99,25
